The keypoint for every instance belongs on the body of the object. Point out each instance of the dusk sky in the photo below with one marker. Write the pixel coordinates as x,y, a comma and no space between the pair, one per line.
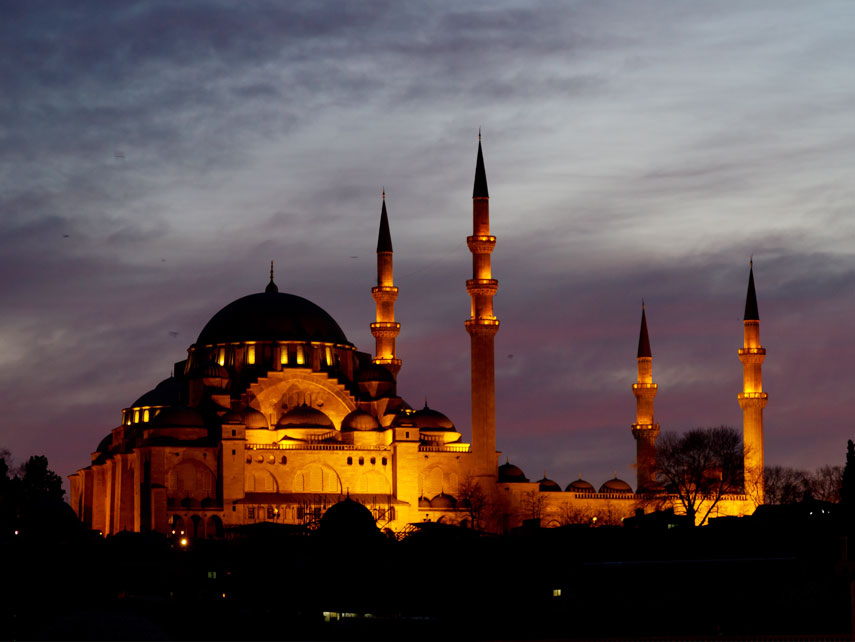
155,156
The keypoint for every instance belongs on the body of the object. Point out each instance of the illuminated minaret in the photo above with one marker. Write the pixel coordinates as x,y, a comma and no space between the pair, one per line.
482,327
752,399
644,429
385,328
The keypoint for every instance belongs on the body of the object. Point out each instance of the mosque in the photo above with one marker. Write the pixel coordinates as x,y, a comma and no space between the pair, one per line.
274,416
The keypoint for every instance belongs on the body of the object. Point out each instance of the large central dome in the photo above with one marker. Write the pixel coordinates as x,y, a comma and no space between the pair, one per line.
271,316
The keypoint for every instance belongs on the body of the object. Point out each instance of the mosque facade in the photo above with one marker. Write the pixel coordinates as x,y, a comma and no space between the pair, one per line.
274,416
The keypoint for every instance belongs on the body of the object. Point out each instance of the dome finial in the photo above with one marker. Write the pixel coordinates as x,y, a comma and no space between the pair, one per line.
271,287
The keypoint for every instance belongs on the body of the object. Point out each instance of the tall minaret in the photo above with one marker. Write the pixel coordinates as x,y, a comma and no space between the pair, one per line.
752,399
482,327
385,329
644,429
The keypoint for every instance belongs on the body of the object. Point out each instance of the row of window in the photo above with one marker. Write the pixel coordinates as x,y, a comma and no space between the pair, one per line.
271,459
373,461
303,513
140,414
288,353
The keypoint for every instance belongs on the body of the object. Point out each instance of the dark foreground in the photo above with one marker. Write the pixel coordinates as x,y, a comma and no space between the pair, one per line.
736,580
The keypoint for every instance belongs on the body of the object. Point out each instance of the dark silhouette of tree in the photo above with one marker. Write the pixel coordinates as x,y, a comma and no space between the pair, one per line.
784,485
23,495
825,482
473,500
700,467
847,487
39,483
8,494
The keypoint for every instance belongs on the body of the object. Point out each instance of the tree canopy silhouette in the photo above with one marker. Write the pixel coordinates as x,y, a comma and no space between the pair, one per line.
700,467
24,493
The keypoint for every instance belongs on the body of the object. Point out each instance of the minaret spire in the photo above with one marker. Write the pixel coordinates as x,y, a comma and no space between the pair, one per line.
385,329
645,430
480,188
482,326
752,399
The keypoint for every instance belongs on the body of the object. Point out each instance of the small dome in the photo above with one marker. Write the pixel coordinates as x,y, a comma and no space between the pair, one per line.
179,417
105,444
248,416
443,501
429,419
348,520
548,486
510,474
166,393
424,502
304,417
580,486
405,417
359,420
616,486
213,375
213,370
375,372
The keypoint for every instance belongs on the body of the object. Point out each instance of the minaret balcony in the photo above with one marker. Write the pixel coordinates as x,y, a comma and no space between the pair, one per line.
482,286
649,430
384,293
759,350
385,329
645,386
753,395
481,244
752,399
482,326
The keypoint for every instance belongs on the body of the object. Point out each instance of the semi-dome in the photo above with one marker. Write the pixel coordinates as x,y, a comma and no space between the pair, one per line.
359,420
248,416
443,501
508,473
424,502
429,419
580,486
616,486
179,417
271,316
166,393
549,486
304,417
